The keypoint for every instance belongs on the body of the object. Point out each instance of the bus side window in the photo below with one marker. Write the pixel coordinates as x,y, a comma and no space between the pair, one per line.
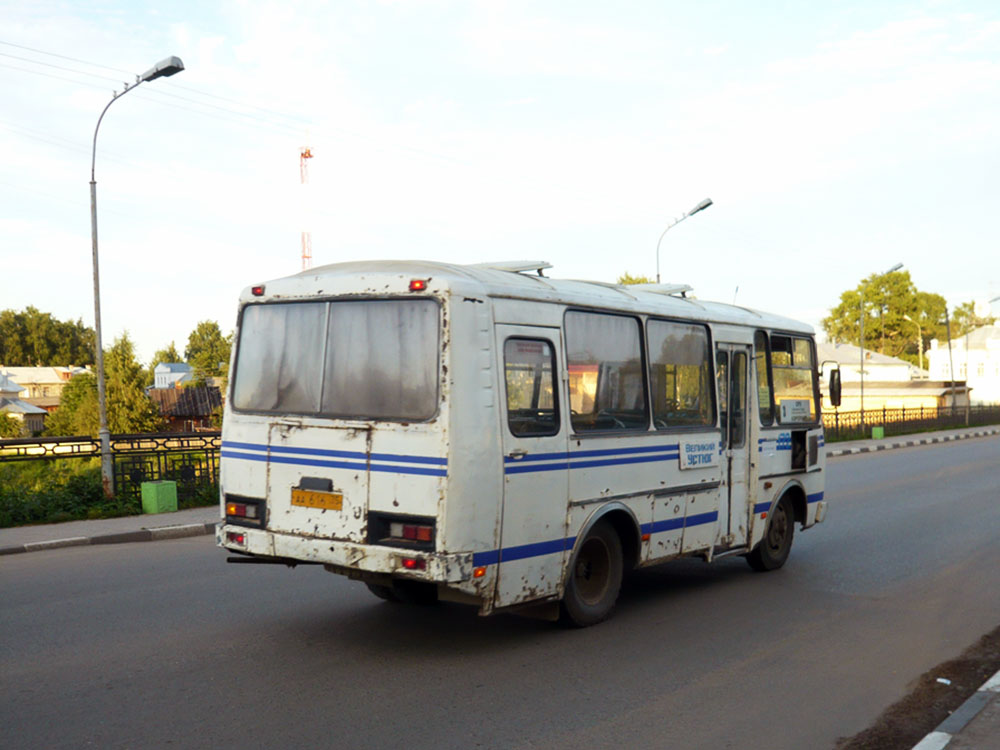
679,374
764,400
532,401
607,385
722,376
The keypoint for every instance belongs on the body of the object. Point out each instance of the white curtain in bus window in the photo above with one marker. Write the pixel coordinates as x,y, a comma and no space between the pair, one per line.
606,382
792,373
679,375
531,401
279,364
381,359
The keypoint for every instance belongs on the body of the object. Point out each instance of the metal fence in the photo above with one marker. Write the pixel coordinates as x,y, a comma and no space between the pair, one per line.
849,425
189,458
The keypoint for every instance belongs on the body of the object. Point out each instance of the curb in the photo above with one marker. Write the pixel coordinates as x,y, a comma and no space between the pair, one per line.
909,443
142,535
961,716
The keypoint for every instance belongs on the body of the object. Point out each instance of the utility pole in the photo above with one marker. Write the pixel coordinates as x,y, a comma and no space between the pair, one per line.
307,252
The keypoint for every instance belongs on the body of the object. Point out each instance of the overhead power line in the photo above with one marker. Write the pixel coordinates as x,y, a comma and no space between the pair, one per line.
59,67
64,57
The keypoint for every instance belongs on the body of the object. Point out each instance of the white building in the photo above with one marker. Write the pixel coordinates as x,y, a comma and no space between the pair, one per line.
975,358
33,417
171,374
889,383
42,386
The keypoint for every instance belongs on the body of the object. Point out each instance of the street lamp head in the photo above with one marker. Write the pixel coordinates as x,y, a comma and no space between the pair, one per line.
701,206
895,268
165,67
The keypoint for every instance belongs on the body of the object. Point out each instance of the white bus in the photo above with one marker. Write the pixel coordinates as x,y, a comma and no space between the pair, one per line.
485,434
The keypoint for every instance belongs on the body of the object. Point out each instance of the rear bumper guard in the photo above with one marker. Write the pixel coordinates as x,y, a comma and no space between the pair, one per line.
440,568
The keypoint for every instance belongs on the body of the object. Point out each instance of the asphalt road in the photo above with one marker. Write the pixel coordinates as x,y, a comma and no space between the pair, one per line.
164,645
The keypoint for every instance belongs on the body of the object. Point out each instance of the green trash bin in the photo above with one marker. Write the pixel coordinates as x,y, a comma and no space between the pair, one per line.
878,433
159,497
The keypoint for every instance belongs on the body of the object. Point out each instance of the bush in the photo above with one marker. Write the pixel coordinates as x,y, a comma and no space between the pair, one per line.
56,491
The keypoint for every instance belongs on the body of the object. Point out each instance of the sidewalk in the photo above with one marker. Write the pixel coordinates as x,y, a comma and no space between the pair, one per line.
144,528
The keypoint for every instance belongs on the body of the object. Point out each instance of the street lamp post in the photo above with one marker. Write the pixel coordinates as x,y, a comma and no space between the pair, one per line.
166,67
862,339
700,207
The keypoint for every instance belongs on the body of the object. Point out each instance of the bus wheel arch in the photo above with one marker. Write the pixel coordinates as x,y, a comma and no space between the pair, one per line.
607,545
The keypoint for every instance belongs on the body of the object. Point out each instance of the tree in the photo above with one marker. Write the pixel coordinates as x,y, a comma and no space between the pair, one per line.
208,351
169,354
627,278
893,311
129,408
9,426
965,319
35,339
77,413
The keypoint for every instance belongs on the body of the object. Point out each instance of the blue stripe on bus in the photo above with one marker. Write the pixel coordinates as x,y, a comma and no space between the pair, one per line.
338,454
763,507
539,549
590,454
387,468
564,465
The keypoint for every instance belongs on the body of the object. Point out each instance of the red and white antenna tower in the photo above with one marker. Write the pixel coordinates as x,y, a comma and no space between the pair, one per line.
307,251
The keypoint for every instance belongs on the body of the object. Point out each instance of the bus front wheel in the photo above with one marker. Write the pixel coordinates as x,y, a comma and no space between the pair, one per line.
595,579
772,552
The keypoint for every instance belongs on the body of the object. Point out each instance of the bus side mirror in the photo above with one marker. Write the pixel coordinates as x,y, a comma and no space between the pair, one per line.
835,386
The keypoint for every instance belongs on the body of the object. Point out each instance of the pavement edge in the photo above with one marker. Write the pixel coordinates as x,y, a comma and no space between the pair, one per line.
961,716
909,443
142,535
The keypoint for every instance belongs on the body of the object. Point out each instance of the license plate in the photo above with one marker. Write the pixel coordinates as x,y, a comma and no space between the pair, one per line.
314,499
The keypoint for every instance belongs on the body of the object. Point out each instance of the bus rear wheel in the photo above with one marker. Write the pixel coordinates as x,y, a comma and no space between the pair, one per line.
595,578
405,591
772,552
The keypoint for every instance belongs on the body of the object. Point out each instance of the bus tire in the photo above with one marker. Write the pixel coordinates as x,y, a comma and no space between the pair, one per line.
772,551
383,592
595,578
415,592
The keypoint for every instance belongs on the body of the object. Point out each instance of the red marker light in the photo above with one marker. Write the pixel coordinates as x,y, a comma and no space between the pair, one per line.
412,563
257,291
418,285
479,572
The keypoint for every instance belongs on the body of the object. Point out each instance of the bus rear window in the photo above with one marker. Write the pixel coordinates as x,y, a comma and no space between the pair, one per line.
362,359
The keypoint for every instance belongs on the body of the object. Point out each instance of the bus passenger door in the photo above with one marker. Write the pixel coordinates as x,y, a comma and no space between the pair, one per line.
533,542
731,367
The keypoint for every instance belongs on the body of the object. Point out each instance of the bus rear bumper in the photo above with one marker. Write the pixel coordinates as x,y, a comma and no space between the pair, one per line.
364,558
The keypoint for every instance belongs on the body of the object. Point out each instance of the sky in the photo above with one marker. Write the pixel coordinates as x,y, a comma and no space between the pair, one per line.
835,139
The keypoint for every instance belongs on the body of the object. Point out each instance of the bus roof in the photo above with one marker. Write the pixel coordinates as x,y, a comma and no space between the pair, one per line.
511,280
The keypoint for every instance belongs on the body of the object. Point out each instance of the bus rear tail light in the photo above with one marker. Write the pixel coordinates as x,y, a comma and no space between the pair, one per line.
241,510
234,537
411,532
245,511
414,563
